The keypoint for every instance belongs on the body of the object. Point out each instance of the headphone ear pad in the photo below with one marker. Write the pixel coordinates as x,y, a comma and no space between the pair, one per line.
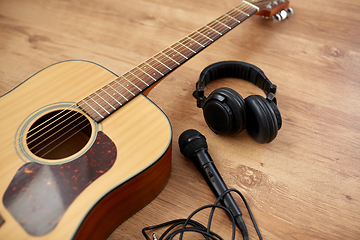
277,114
262,122
224,111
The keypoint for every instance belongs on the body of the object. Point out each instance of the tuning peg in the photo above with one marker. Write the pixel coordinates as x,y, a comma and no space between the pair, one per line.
280,16
277,17
290,11
283,14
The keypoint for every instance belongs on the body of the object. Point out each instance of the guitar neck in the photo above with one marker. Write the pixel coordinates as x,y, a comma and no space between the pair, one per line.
117,93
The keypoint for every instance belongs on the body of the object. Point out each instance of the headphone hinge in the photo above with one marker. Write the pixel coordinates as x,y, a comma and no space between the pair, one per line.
199,95
273,88
271,95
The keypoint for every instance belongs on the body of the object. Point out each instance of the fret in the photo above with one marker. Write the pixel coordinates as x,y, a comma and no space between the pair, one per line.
153,67
168,59
92,99
239,15
162,63
150,71
192,39
218,28
117,93
142,77
117,81
242,12
87,105
251,11
205,36
178,59
183,50
174,48
133,83
112,92
105,101
187,47
178,53
201,38
112,97
159,68
223,24
232,18
248,9
140,81
252,6
148,74
229,21
212,28
128,86
209,33
192,44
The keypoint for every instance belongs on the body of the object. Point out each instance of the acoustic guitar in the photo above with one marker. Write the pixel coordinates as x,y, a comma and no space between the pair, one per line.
82,149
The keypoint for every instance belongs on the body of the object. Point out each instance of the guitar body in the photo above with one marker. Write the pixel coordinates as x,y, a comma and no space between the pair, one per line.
115,168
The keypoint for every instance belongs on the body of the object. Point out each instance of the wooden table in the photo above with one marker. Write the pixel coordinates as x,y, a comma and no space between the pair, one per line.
303,185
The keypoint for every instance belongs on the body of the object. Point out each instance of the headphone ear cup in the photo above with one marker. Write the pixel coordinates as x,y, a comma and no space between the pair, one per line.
224,111
277,114
262,120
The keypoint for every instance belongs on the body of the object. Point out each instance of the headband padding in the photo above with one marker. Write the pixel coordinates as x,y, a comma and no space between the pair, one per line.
236,69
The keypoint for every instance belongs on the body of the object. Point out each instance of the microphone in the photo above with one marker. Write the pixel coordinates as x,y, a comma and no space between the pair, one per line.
193,146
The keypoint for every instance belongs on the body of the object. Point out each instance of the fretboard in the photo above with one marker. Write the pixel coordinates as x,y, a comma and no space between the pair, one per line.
117,93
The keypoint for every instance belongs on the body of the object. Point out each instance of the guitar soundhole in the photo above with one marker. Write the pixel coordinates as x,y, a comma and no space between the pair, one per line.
58,134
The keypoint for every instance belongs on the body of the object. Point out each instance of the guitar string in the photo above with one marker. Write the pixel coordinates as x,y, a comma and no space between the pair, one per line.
167,52
70,109
53,132
54,122
265,2
162,58
69,131
29,136
212,24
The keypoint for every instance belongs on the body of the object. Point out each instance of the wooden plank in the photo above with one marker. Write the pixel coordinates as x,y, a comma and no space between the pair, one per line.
305,184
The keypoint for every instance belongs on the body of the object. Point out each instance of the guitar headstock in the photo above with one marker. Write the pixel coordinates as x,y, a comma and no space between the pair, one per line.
275,9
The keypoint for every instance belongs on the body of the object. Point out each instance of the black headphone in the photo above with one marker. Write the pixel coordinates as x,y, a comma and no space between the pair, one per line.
226,112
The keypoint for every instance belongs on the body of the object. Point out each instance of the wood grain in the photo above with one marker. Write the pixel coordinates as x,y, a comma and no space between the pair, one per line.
305,184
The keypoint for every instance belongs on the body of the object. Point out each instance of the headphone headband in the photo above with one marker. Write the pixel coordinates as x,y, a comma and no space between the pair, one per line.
234,69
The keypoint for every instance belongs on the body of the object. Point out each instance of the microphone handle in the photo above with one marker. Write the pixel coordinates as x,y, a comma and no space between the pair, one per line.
217,185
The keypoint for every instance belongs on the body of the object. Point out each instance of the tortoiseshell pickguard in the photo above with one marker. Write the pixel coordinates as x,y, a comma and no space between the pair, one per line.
40,194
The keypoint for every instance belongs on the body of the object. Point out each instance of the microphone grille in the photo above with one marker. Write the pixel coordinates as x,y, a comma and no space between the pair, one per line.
191,141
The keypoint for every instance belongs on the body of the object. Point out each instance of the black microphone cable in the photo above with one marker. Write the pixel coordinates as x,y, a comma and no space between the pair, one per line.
198,227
